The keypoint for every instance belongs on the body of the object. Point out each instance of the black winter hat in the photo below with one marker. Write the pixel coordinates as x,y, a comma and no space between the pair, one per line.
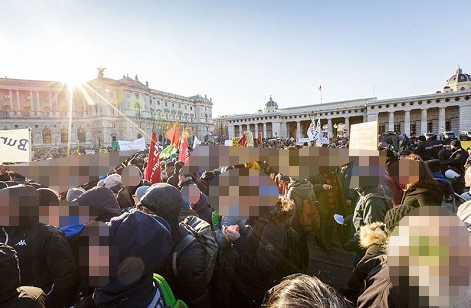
394,216
47,197
434,165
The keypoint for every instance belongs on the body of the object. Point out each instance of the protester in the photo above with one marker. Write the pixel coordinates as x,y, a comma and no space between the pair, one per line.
424,148
12,294
144,242
268,252
74,193
44,255
456,163
189,283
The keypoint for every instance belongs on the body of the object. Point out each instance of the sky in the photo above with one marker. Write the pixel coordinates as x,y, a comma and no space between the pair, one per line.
239,52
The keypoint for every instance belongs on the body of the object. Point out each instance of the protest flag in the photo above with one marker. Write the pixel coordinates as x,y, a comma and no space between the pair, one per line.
259,138
243,140
173,134
153,170
196,142
183,146
168,151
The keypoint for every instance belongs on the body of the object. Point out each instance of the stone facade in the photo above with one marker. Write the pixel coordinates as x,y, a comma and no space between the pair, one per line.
449,110
103,110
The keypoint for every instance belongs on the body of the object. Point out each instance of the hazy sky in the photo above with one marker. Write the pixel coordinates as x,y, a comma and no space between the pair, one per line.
239,52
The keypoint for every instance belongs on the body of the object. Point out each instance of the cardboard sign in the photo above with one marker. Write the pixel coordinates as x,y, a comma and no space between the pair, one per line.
364,136
15,146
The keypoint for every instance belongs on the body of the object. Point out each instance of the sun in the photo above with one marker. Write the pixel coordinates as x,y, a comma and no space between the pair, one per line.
74,82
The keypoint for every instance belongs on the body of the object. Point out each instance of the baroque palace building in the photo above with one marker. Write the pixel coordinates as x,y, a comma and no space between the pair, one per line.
446,110
102,110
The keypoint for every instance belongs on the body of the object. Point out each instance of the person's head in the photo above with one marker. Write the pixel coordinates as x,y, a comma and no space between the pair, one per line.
140,191
412,172
19,206
47,197
284,212
164,200
448,147
101,202
112,180
74,193
303,291
455,144
422,139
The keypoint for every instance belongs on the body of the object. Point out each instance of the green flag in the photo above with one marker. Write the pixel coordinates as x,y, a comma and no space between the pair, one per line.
168,151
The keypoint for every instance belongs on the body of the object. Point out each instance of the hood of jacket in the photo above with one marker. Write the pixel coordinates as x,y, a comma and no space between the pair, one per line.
144,243
102,203
302,189
424,192
10,272
165,201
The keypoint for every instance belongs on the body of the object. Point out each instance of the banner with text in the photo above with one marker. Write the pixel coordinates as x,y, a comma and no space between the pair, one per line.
15,146
364,136
138,145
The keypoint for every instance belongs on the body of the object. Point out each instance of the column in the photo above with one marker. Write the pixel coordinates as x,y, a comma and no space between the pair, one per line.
276,129
56,101
31,102
423,122
231,131
347,126
391,121
407,122
50,101
11,102
442,121
264,130
298,129
38,103
18,102
284,130
465,121
330,129
256,131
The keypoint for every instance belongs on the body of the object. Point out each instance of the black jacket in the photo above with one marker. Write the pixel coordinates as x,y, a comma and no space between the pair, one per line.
457,160
190,284
259,258
46,260
423,195
437,146
424,150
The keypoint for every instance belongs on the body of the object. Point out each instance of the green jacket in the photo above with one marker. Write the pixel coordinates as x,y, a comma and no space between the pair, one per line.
298,191
371,210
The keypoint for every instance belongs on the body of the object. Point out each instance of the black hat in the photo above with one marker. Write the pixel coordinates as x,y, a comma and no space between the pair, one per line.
455,143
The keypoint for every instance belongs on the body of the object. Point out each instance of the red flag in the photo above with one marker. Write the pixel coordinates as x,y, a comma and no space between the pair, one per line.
183,147
259,138
243,141
320,88
173,135
153,170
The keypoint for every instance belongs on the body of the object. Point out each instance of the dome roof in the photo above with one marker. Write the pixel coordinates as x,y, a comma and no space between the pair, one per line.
458,77
271,104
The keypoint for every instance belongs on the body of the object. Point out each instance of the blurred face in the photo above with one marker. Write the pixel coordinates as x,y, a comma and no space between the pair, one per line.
405,172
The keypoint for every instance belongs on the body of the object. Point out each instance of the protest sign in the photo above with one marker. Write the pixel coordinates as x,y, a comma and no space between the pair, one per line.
235,141
301,141
15,145
249,135
228,143
138,144
364,136
88,152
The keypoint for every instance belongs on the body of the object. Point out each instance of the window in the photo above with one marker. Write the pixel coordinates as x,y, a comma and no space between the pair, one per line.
462,89
397,128
429,127
113,138
81,135
139,136
64,136
447,125
191,107
7,96
382,128
412,128
47,138
166,104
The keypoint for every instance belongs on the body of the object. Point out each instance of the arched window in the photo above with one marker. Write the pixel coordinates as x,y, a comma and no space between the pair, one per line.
64,135
139,136
47,138
462,89
113,138
81,135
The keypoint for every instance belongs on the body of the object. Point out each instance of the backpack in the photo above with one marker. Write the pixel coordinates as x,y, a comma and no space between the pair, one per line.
376,195
167,293
199,230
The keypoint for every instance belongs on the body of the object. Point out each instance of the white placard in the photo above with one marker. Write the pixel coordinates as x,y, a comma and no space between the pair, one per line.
138,145
15,146
228,143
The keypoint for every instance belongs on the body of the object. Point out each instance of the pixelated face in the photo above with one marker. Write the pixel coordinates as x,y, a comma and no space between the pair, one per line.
191,194
368,172
98,254
429,257
405,172
131,176
243,193
18,210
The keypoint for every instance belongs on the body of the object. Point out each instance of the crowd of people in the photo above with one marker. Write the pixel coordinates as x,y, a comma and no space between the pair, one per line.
131,243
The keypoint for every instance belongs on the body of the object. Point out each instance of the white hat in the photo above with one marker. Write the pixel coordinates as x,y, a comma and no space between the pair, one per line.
112,180
450,174
100,183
